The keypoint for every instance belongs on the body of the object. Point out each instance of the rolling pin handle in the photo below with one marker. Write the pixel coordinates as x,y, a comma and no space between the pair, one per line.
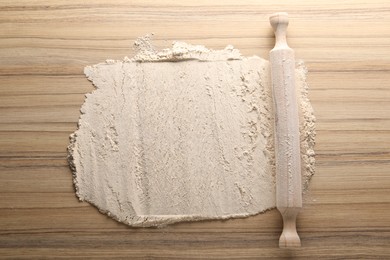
289,237
279,22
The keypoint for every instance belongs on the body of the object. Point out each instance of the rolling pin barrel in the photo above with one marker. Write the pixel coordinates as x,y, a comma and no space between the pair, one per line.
287,143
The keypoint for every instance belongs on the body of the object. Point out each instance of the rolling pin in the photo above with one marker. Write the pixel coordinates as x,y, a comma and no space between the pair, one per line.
287,143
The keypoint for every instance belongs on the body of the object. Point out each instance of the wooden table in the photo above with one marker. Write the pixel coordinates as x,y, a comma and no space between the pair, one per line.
44,46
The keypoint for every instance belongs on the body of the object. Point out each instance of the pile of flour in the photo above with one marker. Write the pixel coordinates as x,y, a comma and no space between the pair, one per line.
182,134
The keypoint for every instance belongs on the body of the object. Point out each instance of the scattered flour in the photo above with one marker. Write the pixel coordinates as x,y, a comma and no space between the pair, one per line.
182,134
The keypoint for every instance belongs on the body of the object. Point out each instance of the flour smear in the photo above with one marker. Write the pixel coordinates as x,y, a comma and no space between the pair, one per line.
182,134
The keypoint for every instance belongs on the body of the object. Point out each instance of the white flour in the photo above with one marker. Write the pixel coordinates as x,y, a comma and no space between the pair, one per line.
181,134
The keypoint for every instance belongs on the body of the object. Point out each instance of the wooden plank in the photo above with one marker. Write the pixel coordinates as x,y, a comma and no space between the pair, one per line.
44,47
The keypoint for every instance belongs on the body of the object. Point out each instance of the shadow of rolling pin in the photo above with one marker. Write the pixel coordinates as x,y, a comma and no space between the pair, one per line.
287,144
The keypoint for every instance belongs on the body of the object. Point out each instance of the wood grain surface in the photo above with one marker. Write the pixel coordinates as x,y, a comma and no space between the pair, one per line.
44,46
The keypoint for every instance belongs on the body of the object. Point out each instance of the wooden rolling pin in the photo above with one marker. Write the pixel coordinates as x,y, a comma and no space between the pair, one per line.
287,143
